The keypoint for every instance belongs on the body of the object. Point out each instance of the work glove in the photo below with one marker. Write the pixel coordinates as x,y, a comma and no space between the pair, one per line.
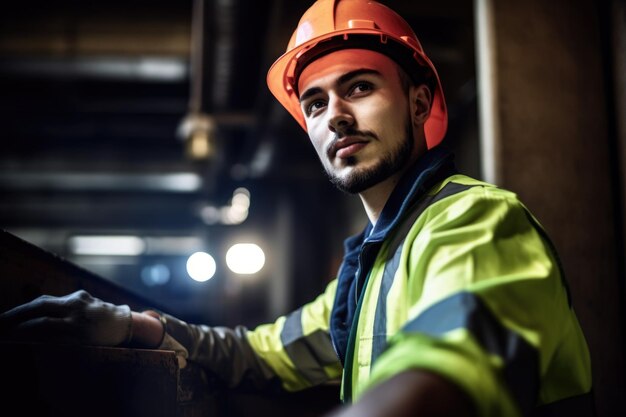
75,318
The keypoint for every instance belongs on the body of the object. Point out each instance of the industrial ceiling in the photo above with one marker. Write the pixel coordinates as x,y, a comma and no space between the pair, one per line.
96,102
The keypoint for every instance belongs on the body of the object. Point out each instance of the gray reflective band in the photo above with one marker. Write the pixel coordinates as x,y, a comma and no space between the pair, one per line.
379,341
379,338
466,310
449,189
309,353
292,330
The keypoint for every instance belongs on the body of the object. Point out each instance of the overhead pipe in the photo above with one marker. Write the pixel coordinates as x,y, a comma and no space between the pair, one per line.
197,129
213,40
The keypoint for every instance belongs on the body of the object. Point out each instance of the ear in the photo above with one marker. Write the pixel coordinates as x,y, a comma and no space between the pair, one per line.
420,102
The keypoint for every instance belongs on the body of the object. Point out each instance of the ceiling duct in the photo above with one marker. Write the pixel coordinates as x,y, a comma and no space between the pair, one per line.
213,41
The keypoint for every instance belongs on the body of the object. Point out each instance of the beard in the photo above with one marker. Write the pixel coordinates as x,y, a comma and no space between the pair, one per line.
361,179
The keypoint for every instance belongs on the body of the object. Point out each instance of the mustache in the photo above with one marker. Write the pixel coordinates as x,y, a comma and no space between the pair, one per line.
332,146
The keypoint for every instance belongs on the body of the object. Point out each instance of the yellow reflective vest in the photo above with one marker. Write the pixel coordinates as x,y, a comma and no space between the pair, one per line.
462,281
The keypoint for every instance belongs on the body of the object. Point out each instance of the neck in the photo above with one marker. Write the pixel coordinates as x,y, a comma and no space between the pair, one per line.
375,198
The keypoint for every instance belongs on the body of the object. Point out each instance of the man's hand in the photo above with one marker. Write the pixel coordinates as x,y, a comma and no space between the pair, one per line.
74,318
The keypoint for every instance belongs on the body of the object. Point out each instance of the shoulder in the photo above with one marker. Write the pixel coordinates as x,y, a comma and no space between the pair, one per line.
461,207
460,196
462,186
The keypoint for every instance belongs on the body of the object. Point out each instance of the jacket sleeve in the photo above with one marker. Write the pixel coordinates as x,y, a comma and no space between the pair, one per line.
295,350
488,307
298,347
221,351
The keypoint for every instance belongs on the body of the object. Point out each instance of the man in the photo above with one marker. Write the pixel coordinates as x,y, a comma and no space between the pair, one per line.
450,302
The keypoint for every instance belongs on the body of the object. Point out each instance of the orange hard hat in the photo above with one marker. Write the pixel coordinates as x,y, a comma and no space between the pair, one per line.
330,25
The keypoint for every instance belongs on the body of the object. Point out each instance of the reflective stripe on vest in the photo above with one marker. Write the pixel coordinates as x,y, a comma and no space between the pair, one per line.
307,352
465,310
379,341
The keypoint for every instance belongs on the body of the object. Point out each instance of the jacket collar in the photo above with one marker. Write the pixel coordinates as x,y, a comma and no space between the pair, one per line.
432,167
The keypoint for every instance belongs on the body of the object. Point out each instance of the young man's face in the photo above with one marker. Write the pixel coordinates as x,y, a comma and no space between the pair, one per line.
358,117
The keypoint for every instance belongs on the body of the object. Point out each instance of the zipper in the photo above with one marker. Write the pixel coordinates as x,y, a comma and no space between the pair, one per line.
358,295
347,373
362,254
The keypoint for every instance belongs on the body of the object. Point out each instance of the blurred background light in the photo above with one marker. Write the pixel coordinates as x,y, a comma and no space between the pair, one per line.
107,245
210,215
173,245
235,212
146,68
201,266
175,182
154,275
245,258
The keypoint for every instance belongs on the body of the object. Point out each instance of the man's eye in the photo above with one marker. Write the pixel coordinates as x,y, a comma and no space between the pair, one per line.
360,87
314,106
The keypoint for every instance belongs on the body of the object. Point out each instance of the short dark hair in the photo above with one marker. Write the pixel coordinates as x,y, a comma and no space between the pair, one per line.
425,77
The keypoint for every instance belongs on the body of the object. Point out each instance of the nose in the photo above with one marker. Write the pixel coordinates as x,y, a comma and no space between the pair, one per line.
340,116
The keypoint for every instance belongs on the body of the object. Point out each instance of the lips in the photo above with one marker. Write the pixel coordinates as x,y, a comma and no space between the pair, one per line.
347,146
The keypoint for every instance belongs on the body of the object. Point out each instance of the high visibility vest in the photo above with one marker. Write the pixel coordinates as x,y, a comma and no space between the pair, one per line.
467,286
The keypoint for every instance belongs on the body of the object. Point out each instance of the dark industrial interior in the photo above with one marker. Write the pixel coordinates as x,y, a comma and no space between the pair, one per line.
151,121
95,98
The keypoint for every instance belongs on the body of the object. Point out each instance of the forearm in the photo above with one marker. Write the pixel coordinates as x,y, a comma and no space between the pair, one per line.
224,352
411,393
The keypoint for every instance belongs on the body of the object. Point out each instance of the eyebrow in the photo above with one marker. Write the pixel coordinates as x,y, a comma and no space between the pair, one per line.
348,76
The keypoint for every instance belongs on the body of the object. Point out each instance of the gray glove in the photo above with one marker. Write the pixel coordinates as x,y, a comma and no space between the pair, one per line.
74,318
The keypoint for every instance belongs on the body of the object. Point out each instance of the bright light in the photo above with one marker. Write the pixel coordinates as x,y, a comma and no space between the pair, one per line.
235,212
107,245
245,258
201,266
241,198
181,181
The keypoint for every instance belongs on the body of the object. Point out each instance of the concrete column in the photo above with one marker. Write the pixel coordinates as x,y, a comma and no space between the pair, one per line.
545,132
